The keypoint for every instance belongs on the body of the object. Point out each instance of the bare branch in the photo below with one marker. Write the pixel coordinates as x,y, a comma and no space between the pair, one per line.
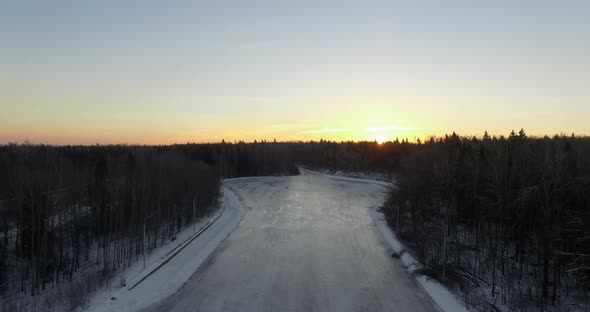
577,269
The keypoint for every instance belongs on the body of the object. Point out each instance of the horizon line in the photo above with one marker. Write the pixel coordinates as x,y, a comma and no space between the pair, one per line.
413,139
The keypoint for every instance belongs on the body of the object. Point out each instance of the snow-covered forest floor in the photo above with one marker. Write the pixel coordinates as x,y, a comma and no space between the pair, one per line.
174,273
90,290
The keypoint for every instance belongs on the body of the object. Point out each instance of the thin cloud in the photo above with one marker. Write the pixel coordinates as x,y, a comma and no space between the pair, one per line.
250,45
533,114
388,128
385,121
326,130
246,98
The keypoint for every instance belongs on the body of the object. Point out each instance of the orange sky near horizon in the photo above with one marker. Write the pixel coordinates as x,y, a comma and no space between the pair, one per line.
113,72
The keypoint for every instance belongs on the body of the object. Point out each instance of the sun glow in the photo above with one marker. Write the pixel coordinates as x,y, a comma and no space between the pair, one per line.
380,139
384,133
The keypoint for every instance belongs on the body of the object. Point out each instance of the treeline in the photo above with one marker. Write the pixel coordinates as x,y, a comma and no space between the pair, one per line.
352,156
72,215
506,219
245,159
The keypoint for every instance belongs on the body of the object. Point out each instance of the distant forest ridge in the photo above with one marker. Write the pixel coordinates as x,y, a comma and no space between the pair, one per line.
396,139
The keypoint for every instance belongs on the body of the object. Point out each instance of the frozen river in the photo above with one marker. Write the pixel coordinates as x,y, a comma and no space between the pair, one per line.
306,243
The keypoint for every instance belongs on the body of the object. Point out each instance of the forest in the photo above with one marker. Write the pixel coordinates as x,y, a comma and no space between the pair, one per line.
504,220
70,216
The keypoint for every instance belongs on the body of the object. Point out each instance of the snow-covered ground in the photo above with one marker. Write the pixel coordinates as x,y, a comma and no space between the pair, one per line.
439,293
168,278
360,175
307,243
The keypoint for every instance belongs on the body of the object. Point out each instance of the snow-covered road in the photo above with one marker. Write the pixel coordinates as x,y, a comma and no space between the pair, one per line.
306,243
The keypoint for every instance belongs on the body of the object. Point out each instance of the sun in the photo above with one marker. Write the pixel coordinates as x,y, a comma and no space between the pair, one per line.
380,139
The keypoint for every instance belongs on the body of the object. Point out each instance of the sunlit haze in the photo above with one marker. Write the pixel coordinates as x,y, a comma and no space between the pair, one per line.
160,72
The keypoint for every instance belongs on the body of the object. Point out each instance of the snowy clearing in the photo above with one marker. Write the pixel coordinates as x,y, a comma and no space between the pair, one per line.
307,243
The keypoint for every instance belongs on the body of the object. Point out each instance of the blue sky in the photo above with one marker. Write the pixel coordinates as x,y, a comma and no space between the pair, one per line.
177,71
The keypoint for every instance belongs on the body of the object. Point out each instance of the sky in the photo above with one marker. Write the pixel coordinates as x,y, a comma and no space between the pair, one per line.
161,72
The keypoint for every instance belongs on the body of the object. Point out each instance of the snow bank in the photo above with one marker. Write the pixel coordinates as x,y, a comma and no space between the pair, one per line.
305,171
160,281
438,292
250,178
391,238
361,175
443,297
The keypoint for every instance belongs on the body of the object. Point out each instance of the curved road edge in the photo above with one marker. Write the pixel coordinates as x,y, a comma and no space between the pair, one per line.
439,293
169,278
